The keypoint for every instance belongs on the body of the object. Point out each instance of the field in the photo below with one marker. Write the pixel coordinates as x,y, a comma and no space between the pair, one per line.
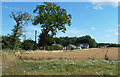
98,53
77,62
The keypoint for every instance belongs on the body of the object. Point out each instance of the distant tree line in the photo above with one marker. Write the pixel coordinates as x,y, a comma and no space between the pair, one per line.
108,44
63,41
76,41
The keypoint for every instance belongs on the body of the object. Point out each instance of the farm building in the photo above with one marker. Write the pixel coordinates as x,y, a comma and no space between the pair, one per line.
79,47
70,46
84,45
59,46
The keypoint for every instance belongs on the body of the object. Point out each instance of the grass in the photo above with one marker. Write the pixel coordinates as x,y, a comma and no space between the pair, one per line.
12,65
63,67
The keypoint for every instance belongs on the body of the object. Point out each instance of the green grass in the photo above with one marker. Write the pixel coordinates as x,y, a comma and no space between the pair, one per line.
63,67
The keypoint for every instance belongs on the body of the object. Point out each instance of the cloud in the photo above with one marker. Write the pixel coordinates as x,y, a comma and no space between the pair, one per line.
107,36
35,28
87,7
98,7
98,4
72,32
12,8
112,30
92,28
113,3
117,33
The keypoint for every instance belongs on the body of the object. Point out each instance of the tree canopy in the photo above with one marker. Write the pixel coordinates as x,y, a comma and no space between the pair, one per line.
52,18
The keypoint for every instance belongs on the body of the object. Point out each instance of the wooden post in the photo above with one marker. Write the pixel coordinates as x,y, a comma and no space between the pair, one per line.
35,35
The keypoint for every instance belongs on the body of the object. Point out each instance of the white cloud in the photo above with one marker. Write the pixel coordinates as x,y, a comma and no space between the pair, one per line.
98,4
107,36
117,33
98,7
72,32
87,7
112,30
113,3
35,28
12,8
92,28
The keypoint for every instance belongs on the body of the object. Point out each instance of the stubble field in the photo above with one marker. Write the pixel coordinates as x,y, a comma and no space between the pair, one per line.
95,53
78,62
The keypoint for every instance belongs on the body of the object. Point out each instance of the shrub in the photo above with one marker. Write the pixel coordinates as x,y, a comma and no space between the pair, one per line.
29,45
55,47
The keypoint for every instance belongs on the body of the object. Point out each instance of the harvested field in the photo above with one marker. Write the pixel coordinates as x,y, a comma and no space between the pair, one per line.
77,63
97,53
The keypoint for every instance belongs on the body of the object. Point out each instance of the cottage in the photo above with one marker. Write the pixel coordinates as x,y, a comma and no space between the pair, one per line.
84,45
70,46
79,47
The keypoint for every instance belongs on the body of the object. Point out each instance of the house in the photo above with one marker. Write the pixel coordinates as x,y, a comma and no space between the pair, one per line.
59,46
84,45
70,46
78,47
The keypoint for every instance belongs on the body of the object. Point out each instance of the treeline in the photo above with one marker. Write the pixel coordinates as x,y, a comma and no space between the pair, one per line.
25,45
63,41
108,44
76,41
32,45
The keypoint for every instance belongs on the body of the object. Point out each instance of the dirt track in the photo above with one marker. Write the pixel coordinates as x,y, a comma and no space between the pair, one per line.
97,53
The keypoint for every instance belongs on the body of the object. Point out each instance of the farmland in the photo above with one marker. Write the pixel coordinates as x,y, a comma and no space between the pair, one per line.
77,62
95,53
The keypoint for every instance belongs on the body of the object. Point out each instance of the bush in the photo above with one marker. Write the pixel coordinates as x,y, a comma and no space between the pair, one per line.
48,48
7,43
54,47
73,48
29,45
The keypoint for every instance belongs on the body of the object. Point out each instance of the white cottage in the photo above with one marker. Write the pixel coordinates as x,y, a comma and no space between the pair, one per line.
84,45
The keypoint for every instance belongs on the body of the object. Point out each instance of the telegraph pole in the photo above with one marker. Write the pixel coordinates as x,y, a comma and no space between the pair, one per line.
35,35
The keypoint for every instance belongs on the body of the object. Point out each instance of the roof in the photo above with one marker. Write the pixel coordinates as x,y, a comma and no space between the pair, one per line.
84,44
72,45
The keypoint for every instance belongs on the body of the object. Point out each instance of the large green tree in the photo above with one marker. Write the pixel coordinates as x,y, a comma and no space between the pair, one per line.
52,18
21,20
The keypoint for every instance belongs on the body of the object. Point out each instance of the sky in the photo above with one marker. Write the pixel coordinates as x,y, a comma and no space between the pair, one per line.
97,19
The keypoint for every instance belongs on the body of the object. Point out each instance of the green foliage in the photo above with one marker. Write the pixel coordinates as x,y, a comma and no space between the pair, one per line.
51,17
29,45
45,40
7,42
21,19
64,67
108,44
74,49
55,47
76,41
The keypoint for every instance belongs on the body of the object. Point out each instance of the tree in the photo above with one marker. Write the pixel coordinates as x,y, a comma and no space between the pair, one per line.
45,40
21,20
52,18
6,42
29,45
